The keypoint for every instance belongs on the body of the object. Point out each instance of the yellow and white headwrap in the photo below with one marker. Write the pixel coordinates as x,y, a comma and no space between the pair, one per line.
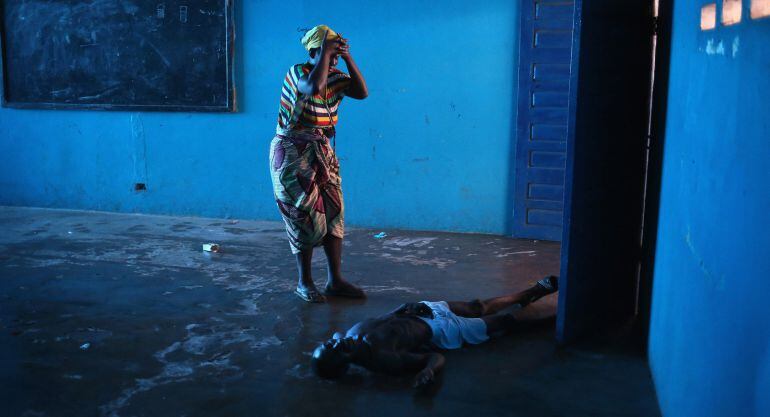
315,36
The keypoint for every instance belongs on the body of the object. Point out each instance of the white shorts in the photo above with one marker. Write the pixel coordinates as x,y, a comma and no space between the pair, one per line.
451,330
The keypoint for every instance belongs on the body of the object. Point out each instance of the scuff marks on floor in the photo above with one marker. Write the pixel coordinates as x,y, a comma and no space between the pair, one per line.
401,242
417,260
375,289
521,252
207,348
416,251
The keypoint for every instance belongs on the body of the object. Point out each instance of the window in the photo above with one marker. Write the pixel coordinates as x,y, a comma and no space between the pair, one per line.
731,12
760,8
708,16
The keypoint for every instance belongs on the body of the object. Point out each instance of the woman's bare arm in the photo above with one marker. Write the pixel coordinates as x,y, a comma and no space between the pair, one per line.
316,80
357,88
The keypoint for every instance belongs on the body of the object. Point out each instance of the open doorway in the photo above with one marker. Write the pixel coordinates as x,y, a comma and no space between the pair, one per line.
586,167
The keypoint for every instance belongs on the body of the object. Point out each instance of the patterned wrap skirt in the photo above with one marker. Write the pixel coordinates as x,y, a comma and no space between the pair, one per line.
307,188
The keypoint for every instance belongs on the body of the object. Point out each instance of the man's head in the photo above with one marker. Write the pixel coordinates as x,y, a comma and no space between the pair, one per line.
332,358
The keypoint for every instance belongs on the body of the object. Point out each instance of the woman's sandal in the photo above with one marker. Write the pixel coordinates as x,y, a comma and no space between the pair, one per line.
311,295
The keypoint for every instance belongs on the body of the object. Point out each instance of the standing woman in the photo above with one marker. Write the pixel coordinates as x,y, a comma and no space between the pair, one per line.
304,167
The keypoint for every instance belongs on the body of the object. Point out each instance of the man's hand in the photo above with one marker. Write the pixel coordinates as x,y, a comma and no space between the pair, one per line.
415,309
424,378
396,363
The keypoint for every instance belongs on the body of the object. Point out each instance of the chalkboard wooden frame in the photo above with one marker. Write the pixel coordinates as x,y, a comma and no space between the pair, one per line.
230,106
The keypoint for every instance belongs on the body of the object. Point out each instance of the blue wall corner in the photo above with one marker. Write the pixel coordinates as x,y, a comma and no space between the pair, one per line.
710,327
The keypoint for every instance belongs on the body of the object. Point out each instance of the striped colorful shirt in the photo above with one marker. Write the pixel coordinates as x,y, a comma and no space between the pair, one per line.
299,111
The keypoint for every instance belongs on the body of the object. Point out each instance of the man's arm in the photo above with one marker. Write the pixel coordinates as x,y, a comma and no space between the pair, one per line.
427,365
434,363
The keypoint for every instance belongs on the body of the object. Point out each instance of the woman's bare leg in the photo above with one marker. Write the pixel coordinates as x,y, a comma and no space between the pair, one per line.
333,250
335,283
304,260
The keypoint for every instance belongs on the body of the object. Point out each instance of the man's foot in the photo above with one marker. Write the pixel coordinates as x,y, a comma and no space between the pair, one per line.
549,284
545,286
342,288
309,294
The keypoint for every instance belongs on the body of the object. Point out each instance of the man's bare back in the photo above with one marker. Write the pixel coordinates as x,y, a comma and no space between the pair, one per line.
405,340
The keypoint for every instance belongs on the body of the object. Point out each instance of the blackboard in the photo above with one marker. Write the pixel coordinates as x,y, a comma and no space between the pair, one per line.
118,54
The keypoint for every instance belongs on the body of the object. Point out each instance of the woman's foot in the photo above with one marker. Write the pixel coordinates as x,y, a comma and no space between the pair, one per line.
309,293
342,288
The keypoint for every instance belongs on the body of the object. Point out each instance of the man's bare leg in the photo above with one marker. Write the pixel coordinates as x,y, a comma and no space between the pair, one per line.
506,323
479,308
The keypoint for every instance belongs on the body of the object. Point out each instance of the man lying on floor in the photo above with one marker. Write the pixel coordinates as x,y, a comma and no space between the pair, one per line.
405,340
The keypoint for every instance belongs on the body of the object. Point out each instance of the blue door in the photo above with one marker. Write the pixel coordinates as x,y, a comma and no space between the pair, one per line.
544,73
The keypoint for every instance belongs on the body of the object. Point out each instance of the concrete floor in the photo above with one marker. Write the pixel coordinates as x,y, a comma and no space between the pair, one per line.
174,331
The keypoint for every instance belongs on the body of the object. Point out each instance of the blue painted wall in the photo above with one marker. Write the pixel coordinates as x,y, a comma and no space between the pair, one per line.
710,327
429,149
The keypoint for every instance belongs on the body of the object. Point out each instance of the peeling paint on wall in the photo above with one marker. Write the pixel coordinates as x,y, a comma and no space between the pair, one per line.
714,48
717,280
139,155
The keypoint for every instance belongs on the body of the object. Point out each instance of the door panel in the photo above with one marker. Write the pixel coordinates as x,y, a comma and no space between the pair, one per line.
604,191
544,74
